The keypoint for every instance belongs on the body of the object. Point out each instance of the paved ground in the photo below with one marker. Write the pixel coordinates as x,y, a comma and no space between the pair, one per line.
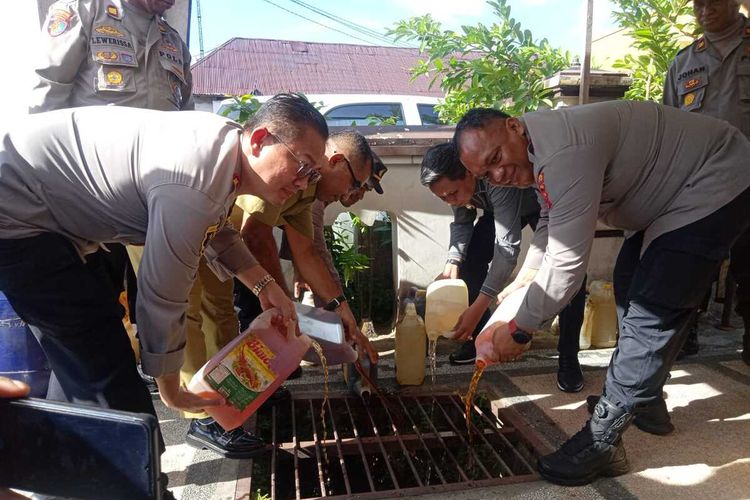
708,397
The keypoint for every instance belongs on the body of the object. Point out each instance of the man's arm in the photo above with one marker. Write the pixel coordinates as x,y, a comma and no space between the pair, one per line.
670,97
314,272
258,238
461,230
63,50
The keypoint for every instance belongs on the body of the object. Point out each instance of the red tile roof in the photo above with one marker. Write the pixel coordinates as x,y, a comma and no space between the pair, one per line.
244,65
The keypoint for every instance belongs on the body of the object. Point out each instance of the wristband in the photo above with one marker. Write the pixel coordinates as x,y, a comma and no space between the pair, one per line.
334,303
454,262
519,336
261,284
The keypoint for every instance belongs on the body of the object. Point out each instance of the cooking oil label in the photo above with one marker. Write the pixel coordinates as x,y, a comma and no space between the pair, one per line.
244,373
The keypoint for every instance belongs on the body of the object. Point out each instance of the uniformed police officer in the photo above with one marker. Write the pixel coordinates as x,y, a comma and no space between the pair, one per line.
677,182
73,186
712,76
495,240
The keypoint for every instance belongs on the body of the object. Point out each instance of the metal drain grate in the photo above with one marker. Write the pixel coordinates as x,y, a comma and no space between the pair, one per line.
411,445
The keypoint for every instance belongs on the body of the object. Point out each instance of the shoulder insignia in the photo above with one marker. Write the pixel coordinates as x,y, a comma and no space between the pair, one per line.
109,30
60,21
113,12
700,45
542,190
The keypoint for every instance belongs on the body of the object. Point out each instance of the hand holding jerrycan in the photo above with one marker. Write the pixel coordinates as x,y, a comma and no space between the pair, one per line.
250,368
487,341
446,301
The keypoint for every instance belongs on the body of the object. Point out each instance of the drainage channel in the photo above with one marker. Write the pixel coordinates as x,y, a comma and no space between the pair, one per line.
409,445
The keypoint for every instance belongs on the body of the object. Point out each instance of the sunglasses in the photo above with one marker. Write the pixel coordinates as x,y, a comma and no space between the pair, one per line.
356,184
305,169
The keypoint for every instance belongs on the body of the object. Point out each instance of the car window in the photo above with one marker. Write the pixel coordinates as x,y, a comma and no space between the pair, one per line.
382,113
428,115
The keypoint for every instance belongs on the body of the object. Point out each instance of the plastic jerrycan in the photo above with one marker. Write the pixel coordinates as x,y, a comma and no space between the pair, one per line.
506,311
603,314
249,369
411,348
446,300
325,327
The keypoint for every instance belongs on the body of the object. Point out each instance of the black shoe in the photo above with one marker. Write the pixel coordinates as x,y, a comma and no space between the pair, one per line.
237,443
297,373
596,450
653,419
746,341
148,380
691,345
280,395
464,355
569,374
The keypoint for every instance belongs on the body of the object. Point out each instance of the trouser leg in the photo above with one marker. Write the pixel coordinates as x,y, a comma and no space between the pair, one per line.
473,270
247,304
740,269
71,310
571,319
666,288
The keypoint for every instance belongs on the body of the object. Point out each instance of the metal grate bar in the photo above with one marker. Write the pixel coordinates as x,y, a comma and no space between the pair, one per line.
502,437
382,447
447,448
338,448
427,448
296,451
321,476
401,442
359,445
273,453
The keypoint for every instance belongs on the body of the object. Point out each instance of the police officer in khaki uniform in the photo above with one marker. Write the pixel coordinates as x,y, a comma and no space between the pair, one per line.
119,52
677,182
712,76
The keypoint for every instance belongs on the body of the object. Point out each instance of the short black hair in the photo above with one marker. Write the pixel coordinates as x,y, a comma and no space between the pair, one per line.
474,119
285,115
441,161
355,145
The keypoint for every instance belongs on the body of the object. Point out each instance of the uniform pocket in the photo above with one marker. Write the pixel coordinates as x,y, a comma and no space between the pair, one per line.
692,92
115,79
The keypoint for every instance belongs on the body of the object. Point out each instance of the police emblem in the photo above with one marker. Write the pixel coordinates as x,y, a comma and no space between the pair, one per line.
113,11
59,22
689,99
106,56
114,77
109,30
126,58
168,46
542,190
692,83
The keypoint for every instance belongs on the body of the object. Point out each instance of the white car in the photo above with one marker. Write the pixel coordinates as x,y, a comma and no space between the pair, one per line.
366,109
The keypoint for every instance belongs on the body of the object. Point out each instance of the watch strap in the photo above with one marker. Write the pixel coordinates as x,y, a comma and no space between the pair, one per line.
334,303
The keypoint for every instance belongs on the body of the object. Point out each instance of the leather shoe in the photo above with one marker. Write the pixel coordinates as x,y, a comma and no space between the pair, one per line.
464,355
653,419
569,374
205,434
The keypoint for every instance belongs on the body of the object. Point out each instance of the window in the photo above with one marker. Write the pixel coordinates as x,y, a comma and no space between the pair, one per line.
428,115
384,113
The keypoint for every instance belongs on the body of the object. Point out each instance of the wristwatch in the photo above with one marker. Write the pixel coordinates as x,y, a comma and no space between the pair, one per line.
454,262
519,336
334,303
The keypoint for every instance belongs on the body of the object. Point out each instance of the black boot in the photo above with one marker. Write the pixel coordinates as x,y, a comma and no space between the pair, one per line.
569,374
653,419
594,451
205,433
746,340
691,345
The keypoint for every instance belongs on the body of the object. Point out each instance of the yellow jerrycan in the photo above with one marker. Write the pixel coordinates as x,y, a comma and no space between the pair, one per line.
599,327
411,347
446,300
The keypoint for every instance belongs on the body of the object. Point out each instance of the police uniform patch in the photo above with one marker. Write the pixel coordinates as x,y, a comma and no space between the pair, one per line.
59,22
209,234
692,83
689,99
700,45
126,58
114,77
168,46
110,30
106,56
542,190
113,11
162,28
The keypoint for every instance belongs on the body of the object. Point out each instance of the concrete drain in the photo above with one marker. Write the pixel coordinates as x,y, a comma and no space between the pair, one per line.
411,445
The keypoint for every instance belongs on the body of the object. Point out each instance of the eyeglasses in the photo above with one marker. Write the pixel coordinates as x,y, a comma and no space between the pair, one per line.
305,169
356,184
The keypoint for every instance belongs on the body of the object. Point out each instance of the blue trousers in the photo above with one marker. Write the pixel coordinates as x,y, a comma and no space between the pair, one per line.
656,295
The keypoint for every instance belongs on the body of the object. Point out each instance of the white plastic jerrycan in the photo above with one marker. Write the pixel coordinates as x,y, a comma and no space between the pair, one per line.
505,312
446,300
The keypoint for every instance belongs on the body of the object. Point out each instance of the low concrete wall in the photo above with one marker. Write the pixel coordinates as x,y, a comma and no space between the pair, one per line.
421,221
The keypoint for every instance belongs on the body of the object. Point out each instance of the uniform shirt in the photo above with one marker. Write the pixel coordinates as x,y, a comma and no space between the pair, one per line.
296,211
166,180
507,206
701,81
636,166
97,52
